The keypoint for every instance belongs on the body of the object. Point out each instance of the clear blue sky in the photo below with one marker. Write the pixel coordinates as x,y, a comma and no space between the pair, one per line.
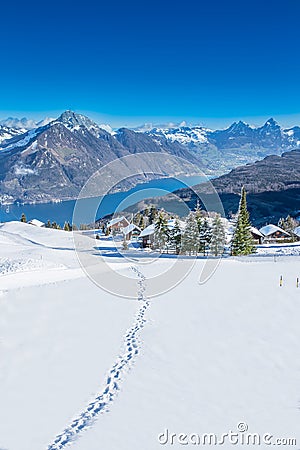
134,61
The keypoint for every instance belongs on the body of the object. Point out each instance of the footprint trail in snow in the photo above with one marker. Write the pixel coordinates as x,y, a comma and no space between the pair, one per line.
103,400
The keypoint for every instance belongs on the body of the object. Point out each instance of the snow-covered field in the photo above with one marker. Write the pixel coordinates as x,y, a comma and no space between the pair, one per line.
197,359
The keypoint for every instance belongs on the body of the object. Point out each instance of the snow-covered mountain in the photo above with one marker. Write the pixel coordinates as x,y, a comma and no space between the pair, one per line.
9,133
24,123
222,150
55,160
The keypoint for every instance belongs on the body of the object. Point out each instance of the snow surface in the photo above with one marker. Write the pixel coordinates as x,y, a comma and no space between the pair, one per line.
209,356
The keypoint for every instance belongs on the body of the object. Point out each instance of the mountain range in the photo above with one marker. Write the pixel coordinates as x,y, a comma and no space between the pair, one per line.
52,159
222,150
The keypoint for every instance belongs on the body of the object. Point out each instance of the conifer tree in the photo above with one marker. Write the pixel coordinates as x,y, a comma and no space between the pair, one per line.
23,218
175,237
67,226
152,215
161,231
288,224
204,236
190,237
48,224
198,215
242,243
218,238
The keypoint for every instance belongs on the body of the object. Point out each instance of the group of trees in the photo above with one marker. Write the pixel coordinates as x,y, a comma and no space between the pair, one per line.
203,235
197,236
289,224
67,226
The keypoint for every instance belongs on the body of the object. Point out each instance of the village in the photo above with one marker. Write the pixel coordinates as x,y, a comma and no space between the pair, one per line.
199,233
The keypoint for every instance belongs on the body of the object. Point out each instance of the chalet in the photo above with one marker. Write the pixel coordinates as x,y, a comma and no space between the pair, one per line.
257,236
130,231
273,233
37,223
117,224
147,236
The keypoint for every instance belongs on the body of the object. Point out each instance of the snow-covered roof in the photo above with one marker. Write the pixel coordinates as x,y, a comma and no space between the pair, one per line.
297,231
267,230
116,220
256,231
129,228
36,223
149,230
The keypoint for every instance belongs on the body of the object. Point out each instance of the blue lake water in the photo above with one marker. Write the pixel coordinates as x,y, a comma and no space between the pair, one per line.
63,211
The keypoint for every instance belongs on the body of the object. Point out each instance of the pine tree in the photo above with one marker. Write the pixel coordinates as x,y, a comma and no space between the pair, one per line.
175,237
161,231
141,223
67,226
218,238
198,215
54,225
242,243
48,224
190,237
288,224
204,236
152,215
23,218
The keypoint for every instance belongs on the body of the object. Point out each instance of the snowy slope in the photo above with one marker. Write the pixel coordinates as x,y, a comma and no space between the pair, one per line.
209,356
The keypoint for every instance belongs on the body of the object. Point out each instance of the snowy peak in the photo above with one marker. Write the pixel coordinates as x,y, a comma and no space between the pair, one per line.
73,121
271,123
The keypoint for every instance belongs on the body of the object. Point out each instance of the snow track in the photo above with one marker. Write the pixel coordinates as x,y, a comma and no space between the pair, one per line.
115,376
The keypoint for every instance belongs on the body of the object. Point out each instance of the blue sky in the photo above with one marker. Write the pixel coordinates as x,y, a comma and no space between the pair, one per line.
131,62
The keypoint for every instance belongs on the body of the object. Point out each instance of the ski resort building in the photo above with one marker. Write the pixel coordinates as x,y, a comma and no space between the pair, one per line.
147,236
117,224
273,233
258,237
130,230
37,223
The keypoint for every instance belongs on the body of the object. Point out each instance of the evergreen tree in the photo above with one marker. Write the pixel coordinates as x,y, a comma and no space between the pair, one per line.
175,237
204,236
54,225
152,215
67,226
141,223
198,215
218,238
23,218
190,237
242,243
288,224
48,224
161,231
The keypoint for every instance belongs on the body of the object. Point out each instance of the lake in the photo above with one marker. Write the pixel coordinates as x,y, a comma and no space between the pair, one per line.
63,211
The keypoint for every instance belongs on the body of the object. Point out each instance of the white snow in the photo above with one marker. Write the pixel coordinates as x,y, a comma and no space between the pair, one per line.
209,356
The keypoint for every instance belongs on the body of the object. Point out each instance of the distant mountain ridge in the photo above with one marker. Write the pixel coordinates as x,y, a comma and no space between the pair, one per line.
222,150
53,162
52,159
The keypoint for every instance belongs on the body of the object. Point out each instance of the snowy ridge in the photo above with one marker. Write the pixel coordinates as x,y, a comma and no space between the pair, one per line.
114,378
